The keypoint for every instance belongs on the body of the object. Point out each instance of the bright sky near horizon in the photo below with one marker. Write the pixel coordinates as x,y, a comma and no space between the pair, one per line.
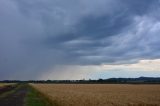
76,39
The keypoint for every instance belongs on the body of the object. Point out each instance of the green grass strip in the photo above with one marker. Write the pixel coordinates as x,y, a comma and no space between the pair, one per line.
35,98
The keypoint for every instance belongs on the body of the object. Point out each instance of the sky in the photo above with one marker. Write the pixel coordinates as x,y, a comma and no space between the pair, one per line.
79,39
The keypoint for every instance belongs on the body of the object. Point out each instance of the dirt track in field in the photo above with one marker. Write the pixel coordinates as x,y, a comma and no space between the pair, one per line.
6,89
16,98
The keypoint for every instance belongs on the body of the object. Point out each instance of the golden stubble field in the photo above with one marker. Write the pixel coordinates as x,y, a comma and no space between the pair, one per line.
101,94
5,84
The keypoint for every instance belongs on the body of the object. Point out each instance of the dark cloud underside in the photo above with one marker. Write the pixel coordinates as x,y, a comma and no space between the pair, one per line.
37,35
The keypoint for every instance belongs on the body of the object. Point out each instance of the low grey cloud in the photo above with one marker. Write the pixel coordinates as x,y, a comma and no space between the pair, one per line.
38,35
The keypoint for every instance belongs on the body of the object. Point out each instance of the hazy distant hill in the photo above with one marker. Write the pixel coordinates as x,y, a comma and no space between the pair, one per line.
136,80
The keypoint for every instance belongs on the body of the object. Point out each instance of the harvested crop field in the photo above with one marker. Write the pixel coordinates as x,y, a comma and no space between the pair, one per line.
101,94
1,85
5,84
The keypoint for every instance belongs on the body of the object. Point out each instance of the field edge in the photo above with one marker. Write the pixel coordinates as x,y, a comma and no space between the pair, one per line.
37,98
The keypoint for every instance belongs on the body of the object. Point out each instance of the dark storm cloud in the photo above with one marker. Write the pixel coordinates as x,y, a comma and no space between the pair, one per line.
37,35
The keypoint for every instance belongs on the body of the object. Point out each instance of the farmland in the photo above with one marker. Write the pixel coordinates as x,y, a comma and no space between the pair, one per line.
101,94
4,84
21,95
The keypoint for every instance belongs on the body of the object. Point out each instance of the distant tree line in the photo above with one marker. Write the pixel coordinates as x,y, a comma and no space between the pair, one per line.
140,80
